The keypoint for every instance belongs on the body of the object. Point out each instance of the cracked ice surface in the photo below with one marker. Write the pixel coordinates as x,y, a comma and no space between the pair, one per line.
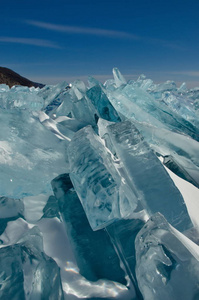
99,191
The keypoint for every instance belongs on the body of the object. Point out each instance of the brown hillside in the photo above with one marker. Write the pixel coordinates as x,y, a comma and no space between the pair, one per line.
9,77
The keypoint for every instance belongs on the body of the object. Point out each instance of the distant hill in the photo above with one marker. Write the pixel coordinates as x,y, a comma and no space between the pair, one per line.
11,78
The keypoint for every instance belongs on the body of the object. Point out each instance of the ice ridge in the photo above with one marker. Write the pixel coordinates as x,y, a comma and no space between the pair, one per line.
114,169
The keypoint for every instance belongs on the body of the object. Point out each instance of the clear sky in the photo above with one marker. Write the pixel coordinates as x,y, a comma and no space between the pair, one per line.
54,40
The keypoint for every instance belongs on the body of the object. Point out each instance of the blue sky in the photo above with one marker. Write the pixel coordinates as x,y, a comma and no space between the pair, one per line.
50,41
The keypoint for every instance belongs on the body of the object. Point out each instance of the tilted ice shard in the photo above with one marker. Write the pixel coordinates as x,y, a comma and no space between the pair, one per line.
182,106
93,250
185,173
51,94
27,273
167,265
137,104
51,209
78,89
146,176
103,106
76,105
84,111
104,195
93,81
183,149
118,77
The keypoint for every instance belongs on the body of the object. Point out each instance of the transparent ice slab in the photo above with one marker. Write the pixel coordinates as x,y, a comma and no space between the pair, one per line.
167,265
145,174
102,191
28,273
103,106
183,149
51,95
185,173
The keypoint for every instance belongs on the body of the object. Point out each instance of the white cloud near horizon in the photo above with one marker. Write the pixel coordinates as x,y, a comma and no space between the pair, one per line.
29,41
187,73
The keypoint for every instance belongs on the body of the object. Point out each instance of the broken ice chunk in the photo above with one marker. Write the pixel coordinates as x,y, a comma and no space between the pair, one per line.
102,191
146,176
84,111
51,209
167,262
137,104
118,77
183,149
171,163
102,104
78,89
181,106
10,209
51,93
93,81
93,250
27,272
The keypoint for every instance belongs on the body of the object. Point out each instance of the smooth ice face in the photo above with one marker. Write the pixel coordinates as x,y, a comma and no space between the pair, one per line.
146,176
104,194
184,169
166,267
30,155
27,272
94,178
183,149
103,106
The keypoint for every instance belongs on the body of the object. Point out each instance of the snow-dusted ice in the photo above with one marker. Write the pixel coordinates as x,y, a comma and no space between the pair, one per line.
99,191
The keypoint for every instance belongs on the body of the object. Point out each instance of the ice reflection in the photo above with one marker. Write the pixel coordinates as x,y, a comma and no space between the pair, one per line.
75,284
71,267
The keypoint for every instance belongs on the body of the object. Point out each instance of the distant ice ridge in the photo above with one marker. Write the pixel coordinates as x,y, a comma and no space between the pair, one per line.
112,170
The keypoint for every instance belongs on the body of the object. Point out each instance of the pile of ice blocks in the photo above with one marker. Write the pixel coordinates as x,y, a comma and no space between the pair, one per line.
106,169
